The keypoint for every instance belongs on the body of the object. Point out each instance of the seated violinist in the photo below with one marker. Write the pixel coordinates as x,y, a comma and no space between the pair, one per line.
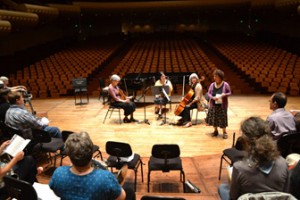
194,99
118,99
161,100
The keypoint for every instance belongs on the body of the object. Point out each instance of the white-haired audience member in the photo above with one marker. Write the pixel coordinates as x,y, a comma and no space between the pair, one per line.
5,81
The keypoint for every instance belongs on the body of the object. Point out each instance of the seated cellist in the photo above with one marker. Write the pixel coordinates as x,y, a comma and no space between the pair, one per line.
195,100
118,99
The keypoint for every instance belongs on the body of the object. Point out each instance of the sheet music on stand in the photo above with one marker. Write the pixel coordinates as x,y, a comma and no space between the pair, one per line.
158,90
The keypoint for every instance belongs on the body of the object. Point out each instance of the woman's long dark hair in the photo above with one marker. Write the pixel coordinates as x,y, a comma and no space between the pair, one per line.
260,145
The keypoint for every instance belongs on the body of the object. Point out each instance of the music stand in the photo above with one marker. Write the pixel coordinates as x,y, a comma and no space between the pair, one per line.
158,90
144,96
80,87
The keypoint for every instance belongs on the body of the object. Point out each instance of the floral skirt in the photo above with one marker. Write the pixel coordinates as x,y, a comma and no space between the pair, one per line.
217,117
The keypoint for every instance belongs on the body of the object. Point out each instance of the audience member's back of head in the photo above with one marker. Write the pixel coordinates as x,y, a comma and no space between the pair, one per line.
258,140
280,99
13,97
79,147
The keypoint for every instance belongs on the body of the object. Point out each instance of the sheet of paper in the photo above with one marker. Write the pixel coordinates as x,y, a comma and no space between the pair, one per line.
17,144
44,192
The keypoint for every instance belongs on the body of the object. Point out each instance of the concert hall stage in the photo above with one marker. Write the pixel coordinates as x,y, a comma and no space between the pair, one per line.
200,152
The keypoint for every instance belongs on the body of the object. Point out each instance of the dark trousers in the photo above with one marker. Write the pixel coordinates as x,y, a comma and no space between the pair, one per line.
127,107
186,114
26,169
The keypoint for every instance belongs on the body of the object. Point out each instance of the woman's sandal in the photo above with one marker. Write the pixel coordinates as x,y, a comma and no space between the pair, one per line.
189,124
215,134
225,135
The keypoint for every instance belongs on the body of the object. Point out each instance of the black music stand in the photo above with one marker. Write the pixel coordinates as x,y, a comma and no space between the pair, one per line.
27,98
80,88
146,121
162,90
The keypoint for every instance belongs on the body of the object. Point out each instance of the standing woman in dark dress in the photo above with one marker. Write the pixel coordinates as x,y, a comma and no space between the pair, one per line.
118,99
218,93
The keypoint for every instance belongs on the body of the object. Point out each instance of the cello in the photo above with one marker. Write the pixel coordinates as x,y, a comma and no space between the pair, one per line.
186,99
123,96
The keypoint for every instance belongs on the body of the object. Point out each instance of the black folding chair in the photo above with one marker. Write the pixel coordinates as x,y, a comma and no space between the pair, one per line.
48,144
117,152
19,189
233,154
165,158
161,198
289,143
63,153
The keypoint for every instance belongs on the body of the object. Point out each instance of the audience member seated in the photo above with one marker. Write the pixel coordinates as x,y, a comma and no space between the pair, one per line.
280,121
294,164
19,118
5,81
23,166
81,180
4,104
263,170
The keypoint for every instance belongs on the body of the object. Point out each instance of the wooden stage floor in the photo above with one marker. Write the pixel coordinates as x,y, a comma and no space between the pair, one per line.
201,152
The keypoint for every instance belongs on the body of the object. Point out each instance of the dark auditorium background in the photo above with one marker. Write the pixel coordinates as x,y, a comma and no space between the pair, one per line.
32,30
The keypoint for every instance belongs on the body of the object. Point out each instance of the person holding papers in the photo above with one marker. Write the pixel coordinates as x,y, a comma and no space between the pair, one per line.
23,166
263,169
19,118
218,93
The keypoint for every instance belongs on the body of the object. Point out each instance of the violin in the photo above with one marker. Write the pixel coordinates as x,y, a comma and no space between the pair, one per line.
186,99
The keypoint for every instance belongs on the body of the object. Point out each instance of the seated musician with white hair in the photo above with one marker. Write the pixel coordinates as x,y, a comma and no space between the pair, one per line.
119,99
